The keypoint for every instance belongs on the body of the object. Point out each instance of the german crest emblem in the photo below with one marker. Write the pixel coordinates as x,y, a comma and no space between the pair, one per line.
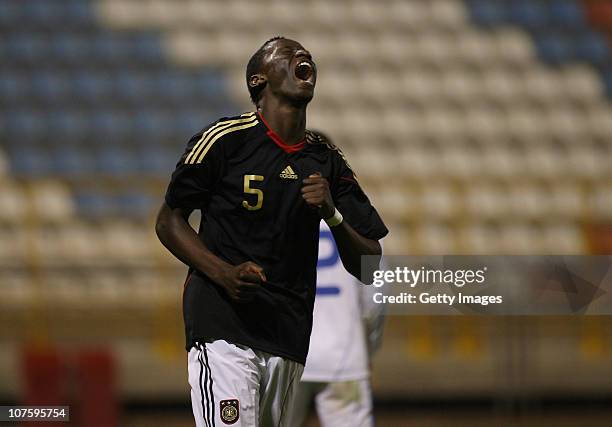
230,410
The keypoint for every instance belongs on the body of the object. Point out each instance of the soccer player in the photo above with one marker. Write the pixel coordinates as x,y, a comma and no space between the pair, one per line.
347,329
263,183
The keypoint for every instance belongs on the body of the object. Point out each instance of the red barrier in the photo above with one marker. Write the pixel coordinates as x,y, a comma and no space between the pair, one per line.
96,386
44,379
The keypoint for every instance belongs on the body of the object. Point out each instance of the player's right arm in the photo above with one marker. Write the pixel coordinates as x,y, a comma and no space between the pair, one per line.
240,282
190,187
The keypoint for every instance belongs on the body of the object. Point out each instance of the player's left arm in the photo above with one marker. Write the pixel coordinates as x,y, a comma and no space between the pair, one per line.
360,228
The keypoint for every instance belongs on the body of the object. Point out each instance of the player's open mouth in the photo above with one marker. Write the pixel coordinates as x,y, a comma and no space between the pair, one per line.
304,71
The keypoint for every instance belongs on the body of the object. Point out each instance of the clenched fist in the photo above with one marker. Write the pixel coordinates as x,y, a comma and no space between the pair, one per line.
243,281
316,194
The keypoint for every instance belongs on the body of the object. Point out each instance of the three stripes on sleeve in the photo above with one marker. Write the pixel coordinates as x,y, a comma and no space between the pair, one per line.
212,135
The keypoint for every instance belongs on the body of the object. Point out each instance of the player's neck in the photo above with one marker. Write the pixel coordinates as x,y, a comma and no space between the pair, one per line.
287,121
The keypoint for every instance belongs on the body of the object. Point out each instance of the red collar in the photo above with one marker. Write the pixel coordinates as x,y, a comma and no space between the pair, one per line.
279,141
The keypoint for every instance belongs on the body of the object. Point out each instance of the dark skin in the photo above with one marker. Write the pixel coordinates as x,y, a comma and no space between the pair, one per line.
282,102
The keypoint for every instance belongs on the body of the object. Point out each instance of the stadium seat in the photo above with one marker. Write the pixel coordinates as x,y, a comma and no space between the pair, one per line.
395,203
15,248
581,84
563,239
500,162
527,202
4,166
485,201
94,205
51,202
566,201
24,49
14,88
135,204
15,287
519,238
555,47
435,239
79,243
545,162
29,161
585,162
70,49
515,47
529,14
13,203
418,162
601,202
437,202
593,47
488,13
460,162
480,239
67,125
94,88
125,243
568,14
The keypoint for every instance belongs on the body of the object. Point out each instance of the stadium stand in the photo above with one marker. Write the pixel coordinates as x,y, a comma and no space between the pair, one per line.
478,126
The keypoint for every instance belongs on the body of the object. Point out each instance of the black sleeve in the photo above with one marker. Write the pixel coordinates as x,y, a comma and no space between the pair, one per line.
353,203
196,174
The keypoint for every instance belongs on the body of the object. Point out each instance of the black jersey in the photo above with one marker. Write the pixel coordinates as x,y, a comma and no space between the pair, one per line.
247,183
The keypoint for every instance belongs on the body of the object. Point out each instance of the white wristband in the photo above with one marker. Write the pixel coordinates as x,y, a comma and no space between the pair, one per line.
335,219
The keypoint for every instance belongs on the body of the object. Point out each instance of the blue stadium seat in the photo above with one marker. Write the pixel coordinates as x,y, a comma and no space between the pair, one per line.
49,87
110,48
529,14
211,85
151,125
110,126
191,121
592,47
147,47
68,48
175,86
80,12
72,161
67,125
113,161
554,48
130,86
25,48
135,204
24,126
158,161
116,48
566,14
29,161
41,13
9,13
13,87
92,204
607,73
92,87
488,12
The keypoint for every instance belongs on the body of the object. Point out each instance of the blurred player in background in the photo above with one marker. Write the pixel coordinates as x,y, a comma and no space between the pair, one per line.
263,183
347,329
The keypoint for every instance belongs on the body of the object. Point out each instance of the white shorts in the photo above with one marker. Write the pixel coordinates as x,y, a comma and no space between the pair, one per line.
232,384
338,404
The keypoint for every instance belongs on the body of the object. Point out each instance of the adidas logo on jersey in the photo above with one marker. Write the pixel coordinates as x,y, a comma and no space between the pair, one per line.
288,173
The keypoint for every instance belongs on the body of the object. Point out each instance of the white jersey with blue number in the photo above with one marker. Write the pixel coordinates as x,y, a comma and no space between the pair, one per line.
347,324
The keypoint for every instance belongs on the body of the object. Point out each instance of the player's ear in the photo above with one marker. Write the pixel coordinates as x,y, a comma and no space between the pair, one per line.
257,79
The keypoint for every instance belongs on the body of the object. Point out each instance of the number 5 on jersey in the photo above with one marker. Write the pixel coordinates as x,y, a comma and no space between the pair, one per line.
256,191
